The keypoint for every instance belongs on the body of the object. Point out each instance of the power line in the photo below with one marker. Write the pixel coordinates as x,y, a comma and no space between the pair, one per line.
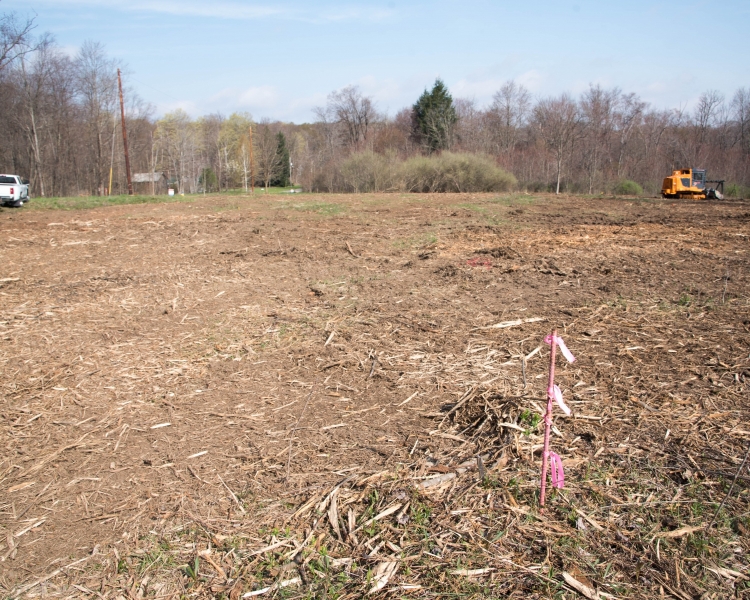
155,89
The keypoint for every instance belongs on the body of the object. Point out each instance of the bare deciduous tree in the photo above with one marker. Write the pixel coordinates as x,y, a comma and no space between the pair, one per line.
266,157
96,82
598,120
558,122
627,119
654,125
509,112
15,37
394,135
709,105
472,131
741,116
35,76
177,139
209,132
353,112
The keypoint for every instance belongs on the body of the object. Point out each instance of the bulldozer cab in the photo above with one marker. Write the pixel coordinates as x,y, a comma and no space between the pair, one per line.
699,179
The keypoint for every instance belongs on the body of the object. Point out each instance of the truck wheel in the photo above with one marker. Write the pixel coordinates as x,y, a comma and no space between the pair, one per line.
18,204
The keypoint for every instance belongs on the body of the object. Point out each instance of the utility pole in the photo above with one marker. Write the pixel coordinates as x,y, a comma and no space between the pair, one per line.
124,135
252,175
112,158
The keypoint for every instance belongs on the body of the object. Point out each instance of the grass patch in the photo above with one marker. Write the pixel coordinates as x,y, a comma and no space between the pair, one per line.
472,207
258,190
488,214
325,209
418,242
83,202
514,199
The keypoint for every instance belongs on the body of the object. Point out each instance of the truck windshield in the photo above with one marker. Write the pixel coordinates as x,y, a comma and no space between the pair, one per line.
6,179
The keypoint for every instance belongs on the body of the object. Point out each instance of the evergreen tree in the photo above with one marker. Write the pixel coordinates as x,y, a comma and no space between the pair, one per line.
435,118
208,180
283,174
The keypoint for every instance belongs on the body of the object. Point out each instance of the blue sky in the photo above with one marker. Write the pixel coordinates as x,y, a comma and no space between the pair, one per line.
280,59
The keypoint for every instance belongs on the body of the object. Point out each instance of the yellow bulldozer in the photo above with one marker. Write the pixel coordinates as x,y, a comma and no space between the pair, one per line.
691,183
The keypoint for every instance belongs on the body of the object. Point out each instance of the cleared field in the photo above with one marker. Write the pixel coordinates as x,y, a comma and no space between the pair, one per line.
220,395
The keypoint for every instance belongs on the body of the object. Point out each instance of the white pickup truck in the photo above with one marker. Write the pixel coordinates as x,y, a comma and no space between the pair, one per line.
13,190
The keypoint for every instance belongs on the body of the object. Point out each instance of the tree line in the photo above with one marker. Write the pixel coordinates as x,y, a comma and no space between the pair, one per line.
61,129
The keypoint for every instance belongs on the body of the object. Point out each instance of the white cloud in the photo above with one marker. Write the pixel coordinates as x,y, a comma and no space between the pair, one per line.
256,100
383,91
353,14
532,80
307,103
482,88
188,106
658,87
221,10
479,90
69,50
262,96
229,9
581,86
390,95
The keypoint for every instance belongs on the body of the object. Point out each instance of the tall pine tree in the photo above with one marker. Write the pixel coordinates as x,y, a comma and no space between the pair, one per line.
283,176
435,118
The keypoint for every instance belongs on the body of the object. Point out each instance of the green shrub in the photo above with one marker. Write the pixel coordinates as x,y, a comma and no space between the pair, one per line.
626,187
448,172
370,172
455,172
736,190
419,174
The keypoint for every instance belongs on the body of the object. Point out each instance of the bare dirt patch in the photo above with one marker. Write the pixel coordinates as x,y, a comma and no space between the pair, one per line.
249,393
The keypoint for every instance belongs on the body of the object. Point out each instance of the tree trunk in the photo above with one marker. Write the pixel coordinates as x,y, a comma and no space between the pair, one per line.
37,156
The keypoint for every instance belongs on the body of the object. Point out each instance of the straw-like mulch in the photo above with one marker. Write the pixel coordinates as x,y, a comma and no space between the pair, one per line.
295,400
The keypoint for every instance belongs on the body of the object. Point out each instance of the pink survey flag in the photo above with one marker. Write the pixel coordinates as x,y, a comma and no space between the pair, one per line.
550,459
550,339
556,471
555,393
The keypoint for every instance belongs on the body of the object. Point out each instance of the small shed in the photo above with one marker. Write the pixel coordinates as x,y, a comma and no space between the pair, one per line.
150,183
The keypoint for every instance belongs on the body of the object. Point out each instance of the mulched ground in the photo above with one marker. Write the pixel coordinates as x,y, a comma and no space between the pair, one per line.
286,398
